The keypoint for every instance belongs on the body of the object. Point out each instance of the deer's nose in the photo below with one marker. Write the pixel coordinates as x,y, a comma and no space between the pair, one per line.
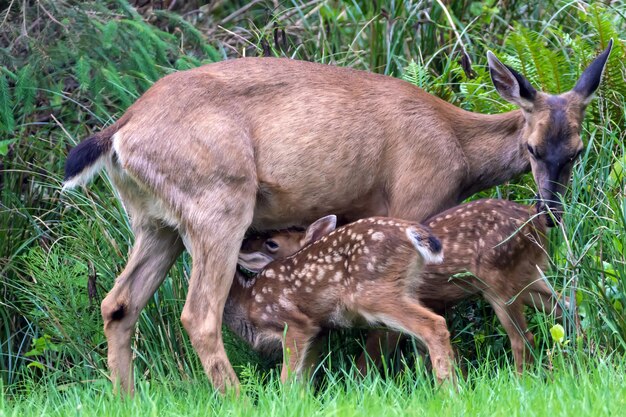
551,214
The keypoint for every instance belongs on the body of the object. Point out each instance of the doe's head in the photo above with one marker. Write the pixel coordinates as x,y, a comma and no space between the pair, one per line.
553,125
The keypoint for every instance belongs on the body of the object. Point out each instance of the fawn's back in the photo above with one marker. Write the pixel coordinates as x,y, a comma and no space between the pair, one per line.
489,243
327,279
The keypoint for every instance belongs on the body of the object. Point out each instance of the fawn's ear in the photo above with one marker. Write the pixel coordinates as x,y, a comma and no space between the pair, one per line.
319,228
254,261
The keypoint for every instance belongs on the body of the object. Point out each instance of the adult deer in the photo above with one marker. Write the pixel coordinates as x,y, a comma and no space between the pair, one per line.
207,153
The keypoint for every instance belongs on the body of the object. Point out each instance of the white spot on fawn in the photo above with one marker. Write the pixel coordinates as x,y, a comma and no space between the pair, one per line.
378,236
285,303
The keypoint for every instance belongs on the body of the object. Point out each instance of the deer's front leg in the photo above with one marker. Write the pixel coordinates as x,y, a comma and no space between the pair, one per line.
512,318
299,350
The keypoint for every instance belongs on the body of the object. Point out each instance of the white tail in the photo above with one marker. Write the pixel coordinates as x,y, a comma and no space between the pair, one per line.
430,250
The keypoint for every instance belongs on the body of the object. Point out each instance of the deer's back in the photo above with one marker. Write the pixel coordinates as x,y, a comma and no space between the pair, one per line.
315,133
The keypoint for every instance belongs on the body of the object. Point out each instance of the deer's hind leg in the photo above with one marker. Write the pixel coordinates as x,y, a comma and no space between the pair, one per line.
155,250
379,343
205,178
214,248
409,316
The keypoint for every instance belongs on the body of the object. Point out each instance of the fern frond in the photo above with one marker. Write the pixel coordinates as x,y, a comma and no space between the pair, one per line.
417,74
7,121
25,89
82,70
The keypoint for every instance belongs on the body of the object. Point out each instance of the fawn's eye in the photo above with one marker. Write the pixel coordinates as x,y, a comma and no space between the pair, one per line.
271,245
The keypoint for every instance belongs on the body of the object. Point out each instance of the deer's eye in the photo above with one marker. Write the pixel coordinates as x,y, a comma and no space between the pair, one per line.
532,151
271,245
575,156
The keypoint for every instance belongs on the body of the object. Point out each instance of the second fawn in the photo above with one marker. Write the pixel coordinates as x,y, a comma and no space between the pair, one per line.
494,248
362,274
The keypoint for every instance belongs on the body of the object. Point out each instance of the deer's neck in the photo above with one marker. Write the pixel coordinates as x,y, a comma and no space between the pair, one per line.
493,147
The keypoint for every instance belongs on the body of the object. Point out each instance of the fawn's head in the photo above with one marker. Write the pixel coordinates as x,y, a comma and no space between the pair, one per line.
553,125
282,243
257,252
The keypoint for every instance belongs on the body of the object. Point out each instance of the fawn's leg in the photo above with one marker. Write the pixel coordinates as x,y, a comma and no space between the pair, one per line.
512,318
155,250
408,316
378,345
541,297
298,350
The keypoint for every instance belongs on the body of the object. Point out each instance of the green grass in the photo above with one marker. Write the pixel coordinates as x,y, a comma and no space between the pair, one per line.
580,386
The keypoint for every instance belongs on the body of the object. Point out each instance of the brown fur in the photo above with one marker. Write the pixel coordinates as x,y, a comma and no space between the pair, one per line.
493,248
362,274
207,153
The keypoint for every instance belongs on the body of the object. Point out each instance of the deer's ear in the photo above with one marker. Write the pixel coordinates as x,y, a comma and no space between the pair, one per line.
510,84
589,80
319,228
254,261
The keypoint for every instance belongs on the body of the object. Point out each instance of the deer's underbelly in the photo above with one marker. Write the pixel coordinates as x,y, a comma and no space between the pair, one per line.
277,207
